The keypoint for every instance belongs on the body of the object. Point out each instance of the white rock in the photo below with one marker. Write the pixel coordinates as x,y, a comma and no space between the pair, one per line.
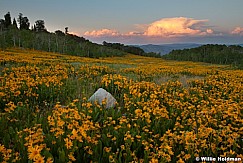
100,95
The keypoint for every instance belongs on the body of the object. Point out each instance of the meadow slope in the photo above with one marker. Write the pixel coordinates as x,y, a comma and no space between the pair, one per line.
166,111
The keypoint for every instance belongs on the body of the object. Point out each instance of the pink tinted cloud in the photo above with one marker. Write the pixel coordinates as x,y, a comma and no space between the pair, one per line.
74,33
102,33
177,27
209,31
238,31
166,29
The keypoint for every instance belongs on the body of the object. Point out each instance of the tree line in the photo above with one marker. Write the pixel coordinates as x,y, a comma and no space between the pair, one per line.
19,34
23,22
130,49
210,53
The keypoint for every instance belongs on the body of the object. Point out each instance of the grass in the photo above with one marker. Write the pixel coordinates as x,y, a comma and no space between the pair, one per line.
166,111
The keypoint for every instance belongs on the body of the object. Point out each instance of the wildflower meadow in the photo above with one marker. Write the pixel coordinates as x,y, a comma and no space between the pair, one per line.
166,111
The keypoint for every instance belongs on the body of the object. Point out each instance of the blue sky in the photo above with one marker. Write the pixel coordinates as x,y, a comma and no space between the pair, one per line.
138,21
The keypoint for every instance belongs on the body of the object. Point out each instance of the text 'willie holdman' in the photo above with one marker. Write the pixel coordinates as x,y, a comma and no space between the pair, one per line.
220,159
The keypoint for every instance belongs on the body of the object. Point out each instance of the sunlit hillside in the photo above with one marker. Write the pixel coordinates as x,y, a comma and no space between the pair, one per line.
166,111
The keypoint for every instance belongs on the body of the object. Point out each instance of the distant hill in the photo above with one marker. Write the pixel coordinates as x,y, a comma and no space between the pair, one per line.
39,38
131,49
58,42
210,53
167,48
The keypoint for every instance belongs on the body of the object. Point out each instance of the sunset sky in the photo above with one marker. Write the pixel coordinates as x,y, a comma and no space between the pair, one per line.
137,21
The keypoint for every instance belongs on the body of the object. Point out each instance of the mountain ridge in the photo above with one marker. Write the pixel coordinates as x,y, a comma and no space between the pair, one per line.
164,49
167,48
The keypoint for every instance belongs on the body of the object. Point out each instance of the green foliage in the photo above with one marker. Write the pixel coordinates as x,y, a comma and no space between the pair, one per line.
15,23
59,42
218,54
7,20
55,42
130,49
39,26
23,22
40,39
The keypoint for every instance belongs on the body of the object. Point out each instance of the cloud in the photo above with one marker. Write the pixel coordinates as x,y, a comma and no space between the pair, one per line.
102,33
166,27
177,27
164,30
74,33
237,30
209,31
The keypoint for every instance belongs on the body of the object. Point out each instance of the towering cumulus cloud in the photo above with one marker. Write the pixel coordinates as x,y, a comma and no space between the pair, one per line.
178,26
163,29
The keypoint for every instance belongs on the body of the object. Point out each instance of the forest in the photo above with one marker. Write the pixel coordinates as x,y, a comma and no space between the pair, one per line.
131,49
210,53
20,34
